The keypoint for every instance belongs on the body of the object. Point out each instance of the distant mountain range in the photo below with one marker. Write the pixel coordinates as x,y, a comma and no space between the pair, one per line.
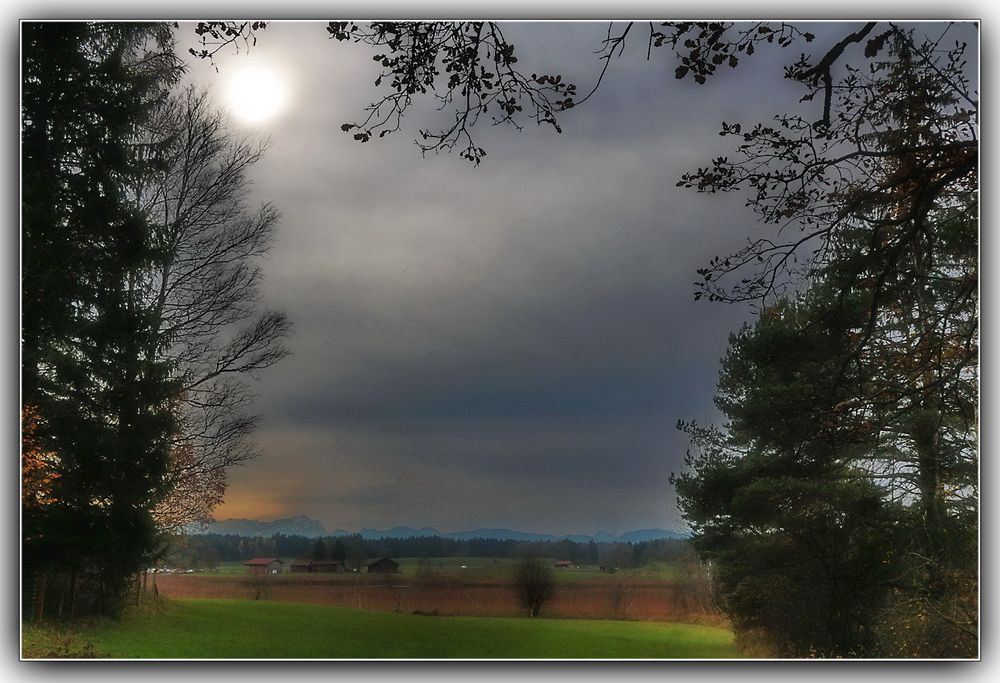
306,526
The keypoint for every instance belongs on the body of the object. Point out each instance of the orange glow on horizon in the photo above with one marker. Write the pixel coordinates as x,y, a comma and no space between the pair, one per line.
251,507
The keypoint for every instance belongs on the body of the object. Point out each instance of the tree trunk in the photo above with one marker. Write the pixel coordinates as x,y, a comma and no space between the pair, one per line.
40,595
926,435
101,603
72,592
62,596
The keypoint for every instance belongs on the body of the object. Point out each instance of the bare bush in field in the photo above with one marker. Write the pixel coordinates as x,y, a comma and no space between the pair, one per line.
621,596
693,593
260,586
534,582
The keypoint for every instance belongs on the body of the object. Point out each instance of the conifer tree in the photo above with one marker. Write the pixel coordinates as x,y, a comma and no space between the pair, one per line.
102,405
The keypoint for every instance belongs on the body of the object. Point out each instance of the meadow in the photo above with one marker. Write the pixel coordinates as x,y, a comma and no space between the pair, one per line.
261,629
452,587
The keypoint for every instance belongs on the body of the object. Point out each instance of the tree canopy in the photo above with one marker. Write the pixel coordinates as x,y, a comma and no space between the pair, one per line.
101,404
138,265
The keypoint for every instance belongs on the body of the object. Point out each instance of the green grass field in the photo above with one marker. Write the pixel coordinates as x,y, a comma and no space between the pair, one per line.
236,629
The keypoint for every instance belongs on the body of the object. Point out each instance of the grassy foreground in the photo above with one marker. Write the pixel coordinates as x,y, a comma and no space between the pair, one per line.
195,629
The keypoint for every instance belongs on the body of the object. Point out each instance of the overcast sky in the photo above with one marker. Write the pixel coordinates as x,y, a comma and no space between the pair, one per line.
505,346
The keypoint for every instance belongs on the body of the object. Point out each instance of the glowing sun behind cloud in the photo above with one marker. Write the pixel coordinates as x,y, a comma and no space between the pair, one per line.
256,92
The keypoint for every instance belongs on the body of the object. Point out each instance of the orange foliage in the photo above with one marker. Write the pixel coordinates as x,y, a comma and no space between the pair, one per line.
38,466
194,488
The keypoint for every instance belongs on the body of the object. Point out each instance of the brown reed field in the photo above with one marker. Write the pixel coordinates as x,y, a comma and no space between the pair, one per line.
442,590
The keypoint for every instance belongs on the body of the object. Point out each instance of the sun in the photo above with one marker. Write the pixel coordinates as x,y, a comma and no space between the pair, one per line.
257,92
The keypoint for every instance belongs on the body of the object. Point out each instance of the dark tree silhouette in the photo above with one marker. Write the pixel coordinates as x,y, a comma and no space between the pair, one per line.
878,202
102,405
478,63
140,319
803,544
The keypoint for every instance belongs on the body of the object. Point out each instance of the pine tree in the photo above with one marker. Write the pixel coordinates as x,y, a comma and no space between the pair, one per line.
103,406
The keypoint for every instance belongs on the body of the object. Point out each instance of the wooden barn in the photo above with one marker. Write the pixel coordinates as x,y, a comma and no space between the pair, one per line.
563,564
300,565
264,565
382,565
327,566
309,566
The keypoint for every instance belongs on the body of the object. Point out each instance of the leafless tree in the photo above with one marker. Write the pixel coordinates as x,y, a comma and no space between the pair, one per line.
534,582
692,587
621,596
205,297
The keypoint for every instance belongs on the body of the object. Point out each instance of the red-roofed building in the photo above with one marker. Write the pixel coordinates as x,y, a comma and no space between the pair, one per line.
264,565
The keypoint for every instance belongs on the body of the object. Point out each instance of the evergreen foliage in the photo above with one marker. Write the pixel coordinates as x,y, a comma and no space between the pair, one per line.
839,502
101,398
140,314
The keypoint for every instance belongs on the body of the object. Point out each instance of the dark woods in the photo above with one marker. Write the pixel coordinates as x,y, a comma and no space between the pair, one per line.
138,250
97,394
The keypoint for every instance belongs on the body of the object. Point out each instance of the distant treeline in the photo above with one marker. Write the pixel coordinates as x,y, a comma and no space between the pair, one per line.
207,550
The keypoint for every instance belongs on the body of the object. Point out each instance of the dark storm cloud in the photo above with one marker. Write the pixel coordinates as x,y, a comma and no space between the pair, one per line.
509,345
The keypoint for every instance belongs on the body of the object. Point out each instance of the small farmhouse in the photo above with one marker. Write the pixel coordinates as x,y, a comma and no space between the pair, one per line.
264,565
563,564
382,565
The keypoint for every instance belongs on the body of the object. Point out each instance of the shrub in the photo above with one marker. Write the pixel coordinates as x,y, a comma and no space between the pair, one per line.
534,582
